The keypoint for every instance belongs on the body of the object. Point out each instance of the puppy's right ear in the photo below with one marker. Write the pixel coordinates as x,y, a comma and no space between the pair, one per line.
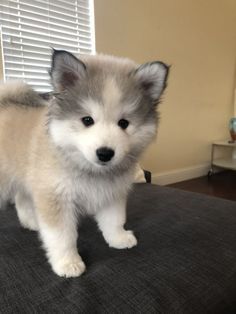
65,70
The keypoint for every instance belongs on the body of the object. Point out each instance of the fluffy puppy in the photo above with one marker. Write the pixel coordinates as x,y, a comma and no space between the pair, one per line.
76,154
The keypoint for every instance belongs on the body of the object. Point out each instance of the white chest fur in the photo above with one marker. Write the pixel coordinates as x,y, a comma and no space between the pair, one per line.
93,193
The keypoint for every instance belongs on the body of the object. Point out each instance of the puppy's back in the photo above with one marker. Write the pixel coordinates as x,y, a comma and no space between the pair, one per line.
16,93
21,112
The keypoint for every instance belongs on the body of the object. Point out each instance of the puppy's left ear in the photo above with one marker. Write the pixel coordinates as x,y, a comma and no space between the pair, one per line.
152,78
66,70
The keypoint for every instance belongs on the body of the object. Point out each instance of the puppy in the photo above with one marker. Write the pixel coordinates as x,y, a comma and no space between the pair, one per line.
76,154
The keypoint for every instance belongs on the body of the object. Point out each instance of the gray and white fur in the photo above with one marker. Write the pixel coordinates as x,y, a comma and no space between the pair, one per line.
80,149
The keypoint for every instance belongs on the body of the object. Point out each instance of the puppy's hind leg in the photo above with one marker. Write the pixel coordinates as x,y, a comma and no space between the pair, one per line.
25,211
4,194
2,203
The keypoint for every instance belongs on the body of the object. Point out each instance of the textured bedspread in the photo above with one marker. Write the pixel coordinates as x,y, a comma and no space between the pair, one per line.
185,261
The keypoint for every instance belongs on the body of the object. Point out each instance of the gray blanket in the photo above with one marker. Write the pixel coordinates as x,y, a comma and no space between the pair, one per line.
185,261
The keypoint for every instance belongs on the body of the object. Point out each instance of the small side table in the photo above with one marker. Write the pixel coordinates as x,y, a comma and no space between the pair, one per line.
225,163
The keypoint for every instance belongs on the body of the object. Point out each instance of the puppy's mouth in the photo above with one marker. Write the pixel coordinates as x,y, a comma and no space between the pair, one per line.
104,163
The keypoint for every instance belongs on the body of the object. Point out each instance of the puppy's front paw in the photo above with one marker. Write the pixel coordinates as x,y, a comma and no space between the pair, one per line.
124,239
69,267
29,224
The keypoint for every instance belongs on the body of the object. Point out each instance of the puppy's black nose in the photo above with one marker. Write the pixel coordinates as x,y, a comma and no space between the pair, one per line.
105,154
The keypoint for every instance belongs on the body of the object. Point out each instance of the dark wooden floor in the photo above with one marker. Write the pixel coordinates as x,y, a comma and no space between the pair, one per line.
221,184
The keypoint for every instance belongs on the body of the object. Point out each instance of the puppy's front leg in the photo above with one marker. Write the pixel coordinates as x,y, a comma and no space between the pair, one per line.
111,220
58,230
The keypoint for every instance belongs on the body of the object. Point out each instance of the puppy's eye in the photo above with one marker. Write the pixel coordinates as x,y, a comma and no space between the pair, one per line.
87,121
123,124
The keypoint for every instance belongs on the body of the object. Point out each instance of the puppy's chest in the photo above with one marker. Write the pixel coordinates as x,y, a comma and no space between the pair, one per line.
91,194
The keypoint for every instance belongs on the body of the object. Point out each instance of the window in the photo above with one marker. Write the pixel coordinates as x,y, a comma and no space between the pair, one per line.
31,28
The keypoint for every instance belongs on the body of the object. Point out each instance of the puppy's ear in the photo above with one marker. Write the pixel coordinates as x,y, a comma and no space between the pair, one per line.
66,70
152,78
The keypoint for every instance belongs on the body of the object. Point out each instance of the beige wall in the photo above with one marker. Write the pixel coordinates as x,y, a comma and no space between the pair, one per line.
198,38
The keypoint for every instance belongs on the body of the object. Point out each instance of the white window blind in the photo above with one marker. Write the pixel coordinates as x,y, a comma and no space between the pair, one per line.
31,28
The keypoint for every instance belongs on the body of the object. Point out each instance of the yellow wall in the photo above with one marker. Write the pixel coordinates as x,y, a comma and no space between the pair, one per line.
198,38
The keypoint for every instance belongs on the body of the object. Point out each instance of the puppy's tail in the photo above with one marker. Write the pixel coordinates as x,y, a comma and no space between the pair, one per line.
19,93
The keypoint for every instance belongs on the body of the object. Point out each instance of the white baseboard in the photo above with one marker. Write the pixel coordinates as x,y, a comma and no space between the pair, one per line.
164,178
